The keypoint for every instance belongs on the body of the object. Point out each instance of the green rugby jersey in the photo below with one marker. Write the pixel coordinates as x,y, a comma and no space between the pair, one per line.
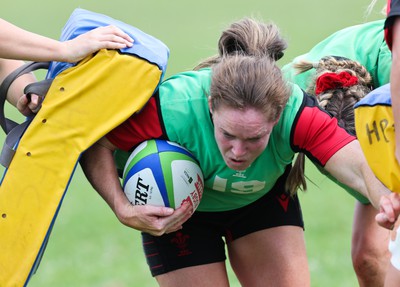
225,189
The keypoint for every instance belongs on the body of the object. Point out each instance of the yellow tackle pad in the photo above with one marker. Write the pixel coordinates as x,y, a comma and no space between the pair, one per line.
375,131
83,103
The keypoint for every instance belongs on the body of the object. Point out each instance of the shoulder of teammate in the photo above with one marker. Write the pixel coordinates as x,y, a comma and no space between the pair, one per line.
393,11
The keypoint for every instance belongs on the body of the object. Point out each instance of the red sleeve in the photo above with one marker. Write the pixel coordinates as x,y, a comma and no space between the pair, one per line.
138,128
392,11
318,135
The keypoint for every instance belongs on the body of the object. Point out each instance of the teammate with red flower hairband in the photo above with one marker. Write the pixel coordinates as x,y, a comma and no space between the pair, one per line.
339,84
365,44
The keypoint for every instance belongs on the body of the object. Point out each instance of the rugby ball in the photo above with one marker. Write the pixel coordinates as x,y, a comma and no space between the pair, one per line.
162,173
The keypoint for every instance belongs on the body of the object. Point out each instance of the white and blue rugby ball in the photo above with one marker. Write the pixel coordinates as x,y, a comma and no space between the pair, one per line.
162,173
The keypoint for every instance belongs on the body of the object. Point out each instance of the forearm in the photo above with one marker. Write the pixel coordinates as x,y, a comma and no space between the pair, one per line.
17,43
98,165
395,80
16,89
350,167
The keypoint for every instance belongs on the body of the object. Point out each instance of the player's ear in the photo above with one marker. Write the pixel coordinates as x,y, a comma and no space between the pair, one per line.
209,104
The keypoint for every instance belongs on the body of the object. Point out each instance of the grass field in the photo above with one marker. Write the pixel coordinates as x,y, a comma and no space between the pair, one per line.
88,246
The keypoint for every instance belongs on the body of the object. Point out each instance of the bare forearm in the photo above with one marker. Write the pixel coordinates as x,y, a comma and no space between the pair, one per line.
395,82
350,167
16,90
98,165
17,43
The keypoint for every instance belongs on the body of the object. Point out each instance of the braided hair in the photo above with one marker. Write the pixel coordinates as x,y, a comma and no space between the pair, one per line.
338,84
337,98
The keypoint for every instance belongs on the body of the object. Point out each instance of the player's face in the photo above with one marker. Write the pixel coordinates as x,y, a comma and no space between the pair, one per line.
241,135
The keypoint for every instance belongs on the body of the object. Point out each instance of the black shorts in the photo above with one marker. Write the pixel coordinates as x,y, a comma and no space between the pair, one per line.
201,240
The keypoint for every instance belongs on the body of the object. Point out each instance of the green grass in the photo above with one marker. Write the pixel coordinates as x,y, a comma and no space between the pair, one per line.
88,246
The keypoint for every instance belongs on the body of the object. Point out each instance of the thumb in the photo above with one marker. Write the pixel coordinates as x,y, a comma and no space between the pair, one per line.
22,104
382,219
161,211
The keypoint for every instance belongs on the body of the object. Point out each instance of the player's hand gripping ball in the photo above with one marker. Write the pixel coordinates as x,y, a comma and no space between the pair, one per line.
162,173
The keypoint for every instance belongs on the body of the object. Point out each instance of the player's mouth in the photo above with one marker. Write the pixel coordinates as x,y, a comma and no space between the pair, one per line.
237,164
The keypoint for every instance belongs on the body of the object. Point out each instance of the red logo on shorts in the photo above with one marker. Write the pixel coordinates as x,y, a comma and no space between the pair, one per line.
284,201
180,241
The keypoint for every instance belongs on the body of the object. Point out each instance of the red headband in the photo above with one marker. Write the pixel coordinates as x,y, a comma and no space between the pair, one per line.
329,81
